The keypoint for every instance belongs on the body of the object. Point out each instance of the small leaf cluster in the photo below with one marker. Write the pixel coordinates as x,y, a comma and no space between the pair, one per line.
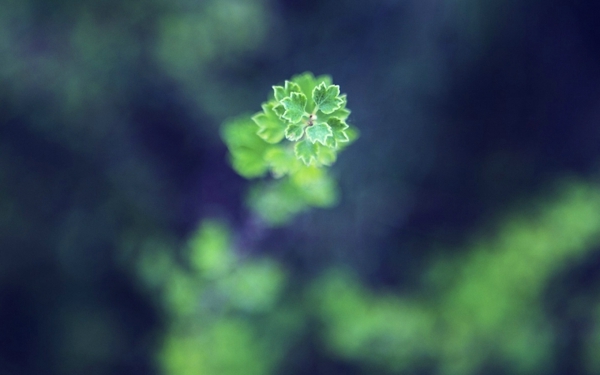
310,113
301,129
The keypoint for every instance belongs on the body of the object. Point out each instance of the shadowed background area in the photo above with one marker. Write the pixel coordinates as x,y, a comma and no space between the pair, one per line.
466,239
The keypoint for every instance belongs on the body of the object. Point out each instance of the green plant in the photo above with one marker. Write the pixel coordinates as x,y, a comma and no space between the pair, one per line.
230,313
301,129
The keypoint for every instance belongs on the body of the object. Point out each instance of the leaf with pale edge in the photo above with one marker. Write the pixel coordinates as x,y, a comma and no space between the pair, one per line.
318,133
327,97
279,92
294,107
352,133
338,129
294,131
270,126
307,82
341,113
282,92
306,151
279,110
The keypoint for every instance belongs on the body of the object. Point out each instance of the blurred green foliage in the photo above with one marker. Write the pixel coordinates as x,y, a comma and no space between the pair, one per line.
81,60
225,311
279,201
482,306
195,38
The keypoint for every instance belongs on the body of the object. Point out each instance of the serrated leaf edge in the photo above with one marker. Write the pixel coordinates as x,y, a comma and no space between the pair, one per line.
312,157
315,140
337,99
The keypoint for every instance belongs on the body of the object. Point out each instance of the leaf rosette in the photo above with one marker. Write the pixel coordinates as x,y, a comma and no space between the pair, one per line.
302,127
312,113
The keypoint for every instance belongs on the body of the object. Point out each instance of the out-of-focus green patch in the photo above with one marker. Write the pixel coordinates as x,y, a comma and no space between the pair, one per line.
246,148
255,286
481,307
316,187
279,201
491,299
386,330
275,203
155,263
182,293
227,346
210,250
192,38
225,315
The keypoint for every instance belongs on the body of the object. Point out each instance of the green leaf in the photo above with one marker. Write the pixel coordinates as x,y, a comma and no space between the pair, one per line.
327,98
254,285
279,110
210,249
294,107
326,155
306,151
338,128
276,203
281,161
246,148
271,128
294,131
318,133
281,92
316,186
352,133
342,113
307,82
331,143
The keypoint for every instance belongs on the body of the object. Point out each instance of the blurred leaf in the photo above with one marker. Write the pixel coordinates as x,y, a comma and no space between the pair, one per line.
326,155
315,186
210,250
282,161
182,293
226,347
254,286
276,203
245,146
270,126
